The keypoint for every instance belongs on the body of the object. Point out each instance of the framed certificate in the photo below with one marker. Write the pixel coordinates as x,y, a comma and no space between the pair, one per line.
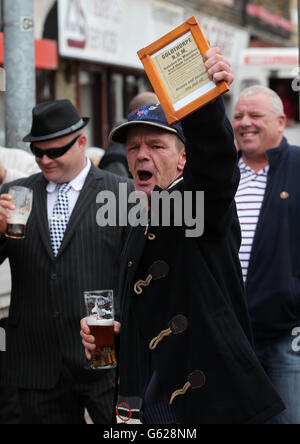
175,67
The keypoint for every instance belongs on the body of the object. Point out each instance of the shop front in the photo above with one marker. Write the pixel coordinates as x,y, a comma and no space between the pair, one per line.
99,66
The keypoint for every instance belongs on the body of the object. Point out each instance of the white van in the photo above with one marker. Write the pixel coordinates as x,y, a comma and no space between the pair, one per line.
275,68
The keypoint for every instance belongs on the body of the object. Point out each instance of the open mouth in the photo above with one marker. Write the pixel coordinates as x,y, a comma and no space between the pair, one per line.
144,175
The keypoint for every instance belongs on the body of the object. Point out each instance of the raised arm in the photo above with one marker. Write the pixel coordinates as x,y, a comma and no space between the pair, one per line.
211,155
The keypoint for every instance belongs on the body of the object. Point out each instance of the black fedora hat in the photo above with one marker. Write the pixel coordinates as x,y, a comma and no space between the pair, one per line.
54,119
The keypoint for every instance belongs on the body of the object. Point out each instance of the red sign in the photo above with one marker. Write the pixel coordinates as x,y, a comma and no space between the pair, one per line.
271,59
45,53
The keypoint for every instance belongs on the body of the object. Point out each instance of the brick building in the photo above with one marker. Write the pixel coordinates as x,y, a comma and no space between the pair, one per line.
269,22
294,19
230,11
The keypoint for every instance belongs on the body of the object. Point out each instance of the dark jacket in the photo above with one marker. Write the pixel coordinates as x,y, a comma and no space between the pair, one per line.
47,292
204,284
115,160
273,281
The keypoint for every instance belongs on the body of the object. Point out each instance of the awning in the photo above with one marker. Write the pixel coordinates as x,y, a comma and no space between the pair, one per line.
46,56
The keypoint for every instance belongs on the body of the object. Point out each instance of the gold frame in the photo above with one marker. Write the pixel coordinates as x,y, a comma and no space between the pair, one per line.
145,55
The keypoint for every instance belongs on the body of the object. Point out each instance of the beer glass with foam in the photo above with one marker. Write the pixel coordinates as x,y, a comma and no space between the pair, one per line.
100,319
22,199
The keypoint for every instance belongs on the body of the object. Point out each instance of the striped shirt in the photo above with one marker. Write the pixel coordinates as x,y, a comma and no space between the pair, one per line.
249,199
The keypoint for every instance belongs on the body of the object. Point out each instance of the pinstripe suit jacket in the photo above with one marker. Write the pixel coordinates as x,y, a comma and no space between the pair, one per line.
47,292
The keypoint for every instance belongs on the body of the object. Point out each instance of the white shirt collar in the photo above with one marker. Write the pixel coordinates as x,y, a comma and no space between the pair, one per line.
77,183
176,181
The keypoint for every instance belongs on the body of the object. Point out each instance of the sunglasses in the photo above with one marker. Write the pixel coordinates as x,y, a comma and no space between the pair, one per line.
53,153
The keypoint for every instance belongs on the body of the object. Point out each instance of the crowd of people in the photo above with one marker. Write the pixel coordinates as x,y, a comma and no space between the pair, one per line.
235,289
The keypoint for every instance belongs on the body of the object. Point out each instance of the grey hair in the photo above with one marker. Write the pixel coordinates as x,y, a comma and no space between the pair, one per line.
276,102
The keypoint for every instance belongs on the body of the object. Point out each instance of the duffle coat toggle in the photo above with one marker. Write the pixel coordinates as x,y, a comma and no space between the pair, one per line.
157,270
177,325
195,380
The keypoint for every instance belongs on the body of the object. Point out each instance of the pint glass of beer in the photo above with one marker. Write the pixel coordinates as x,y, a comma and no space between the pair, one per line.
22,199
100,319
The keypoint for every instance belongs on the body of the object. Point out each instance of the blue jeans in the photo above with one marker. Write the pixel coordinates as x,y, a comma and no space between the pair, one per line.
281,361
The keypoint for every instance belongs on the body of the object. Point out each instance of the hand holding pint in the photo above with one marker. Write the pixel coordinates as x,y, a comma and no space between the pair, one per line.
5,205
100,320
21,198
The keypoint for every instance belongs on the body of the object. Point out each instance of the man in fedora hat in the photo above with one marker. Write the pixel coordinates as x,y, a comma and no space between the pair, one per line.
64,253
